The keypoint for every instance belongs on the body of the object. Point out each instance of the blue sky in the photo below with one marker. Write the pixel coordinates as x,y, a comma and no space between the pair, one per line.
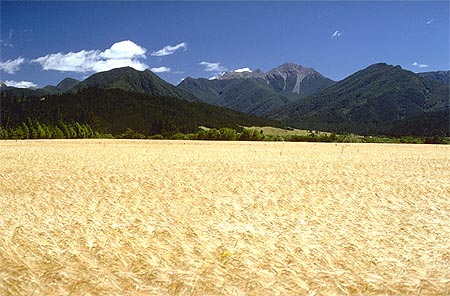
44,42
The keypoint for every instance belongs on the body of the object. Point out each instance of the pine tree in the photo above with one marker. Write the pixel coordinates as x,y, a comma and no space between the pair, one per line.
57,133
72,132
65,130
33,132
88,130
78,130
26,131
40,130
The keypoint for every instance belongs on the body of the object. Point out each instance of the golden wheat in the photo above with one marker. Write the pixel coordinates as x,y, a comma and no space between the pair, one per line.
108,217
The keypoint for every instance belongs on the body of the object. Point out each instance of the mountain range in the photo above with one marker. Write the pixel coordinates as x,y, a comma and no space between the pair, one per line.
115,100
442,76
126,78
375,100
131,80
256,92
380,99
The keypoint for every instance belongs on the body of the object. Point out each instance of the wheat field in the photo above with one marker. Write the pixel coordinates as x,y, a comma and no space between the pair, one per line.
124,217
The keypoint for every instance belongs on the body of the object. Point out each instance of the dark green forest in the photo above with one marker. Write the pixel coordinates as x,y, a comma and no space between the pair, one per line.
379,100
113,111
33,129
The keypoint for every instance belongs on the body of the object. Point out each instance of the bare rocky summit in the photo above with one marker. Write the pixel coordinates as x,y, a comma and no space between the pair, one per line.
286,78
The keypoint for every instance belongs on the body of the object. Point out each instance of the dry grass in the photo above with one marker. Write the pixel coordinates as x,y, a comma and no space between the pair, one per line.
208,218
274,131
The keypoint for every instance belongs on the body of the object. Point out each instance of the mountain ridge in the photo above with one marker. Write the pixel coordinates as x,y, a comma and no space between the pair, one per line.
369,101
63,86
256,92
67,83
132,80
379,99
125,78
442,76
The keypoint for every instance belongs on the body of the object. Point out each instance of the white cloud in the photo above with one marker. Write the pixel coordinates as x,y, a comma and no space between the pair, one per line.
160,69
82,61
20,84
213,67
336,34
168,50
124,50
106,65
120,54
430,21
419,65
246,69
12,66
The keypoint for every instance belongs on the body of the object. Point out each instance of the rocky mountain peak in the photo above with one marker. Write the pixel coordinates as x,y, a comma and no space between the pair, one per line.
289,76
242,73
284,83
291,69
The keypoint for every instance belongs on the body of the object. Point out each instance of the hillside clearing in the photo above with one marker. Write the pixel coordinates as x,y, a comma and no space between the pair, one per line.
125,217
275,131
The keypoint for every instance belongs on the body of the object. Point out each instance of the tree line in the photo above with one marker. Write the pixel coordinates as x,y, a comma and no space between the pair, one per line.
33,129
229,134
